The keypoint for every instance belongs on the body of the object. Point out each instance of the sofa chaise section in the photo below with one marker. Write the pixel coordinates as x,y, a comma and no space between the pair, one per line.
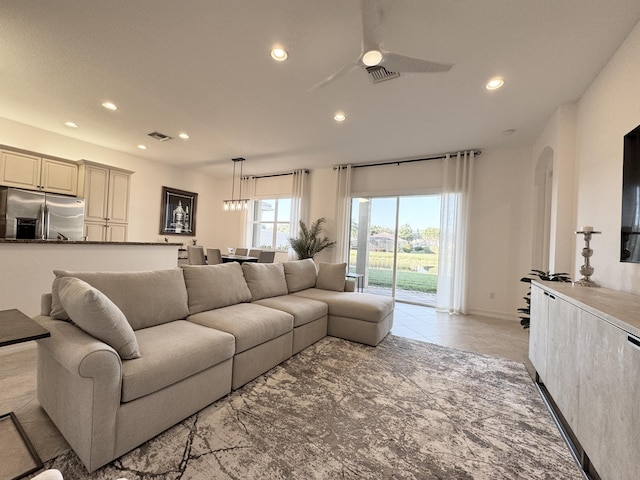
359,317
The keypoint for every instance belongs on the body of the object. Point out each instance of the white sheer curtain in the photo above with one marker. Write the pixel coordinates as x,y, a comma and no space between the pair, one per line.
343,212
249,191
454,212
299,204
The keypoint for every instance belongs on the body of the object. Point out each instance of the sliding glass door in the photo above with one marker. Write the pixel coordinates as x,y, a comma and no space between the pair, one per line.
394,245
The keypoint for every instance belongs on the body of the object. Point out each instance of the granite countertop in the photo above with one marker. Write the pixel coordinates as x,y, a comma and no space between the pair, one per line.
87,242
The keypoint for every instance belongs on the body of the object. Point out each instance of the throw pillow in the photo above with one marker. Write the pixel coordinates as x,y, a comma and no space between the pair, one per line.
93,312
146,298
265,279
300,274
331,276
215,286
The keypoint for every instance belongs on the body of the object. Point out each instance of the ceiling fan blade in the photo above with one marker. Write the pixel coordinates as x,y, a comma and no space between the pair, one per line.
344,70
403,64
371,25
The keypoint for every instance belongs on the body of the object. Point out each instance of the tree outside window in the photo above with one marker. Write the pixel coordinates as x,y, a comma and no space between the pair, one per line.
271,224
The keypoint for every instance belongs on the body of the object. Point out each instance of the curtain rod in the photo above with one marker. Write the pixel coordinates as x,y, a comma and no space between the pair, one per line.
273,175
398,162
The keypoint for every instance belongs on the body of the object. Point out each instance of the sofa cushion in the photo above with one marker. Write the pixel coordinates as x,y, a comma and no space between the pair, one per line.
249,323
172,352
215,286
331,276
264,279
146,298
361,306
300,274
304,310
94,313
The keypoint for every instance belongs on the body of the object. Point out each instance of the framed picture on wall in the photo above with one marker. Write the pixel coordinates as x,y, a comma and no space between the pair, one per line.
178,212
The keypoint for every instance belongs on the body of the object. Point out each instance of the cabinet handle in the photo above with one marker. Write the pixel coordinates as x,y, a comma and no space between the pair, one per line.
634,340
552,297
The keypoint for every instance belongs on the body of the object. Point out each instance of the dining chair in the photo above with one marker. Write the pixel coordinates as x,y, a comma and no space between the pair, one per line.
241,252
255,252
266,257
195,255
214,256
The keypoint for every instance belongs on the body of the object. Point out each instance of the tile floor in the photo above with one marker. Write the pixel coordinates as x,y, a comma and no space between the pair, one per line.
502,338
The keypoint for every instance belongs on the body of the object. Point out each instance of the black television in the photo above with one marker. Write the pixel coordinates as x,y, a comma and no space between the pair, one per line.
630,231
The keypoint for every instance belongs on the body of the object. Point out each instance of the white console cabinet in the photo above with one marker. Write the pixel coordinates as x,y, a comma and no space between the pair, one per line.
585,347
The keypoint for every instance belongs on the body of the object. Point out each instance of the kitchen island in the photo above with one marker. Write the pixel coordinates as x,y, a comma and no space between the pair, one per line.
27,265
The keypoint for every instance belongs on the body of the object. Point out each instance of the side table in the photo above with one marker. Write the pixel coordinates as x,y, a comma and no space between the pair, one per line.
16,327
359,278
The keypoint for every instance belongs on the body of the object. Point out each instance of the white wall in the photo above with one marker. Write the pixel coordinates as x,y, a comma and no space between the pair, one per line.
608,110
146,182
559,138
500,232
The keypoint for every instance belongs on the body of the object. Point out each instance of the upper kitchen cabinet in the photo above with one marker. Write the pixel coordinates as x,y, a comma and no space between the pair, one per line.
33,172
106,193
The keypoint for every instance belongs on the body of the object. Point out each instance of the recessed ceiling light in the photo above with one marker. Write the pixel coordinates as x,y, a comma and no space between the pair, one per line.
183,136
279,54
339,117
142,147
109,106
372,58
494,84
509,132
71,124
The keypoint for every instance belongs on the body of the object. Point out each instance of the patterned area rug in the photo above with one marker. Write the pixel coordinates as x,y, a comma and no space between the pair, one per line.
403,410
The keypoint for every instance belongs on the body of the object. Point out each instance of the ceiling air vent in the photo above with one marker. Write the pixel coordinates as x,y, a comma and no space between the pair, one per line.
379,74
161,137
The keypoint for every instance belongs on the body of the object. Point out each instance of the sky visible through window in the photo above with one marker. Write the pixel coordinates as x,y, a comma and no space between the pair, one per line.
419,211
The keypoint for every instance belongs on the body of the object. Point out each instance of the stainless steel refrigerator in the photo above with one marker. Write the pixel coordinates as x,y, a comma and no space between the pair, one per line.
40,216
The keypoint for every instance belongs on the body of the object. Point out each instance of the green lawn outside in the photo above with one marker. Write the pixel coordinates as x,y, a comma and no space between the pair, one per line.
416,271
416,282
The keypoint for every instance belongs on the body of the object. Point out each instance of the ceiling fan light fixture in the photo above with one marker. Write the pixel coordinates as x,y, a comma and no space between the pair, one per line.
372,58
279,54
494,83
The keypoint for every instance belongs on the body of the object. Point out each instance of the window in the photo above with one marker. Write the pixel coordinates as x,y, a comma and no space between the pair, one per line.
271,223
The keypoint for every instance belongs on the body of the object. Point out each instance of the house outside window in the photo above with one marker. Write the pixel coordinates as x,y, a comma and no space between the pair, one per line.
272,224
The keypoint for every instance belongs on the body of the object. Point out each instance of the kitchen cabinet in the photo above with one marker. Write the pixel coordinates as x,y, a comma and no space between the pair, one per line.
106,193
34,172
591,360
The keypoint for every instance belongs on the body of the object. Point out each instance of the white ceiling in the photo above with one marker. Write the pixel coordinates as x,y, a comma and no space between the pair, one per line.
203,66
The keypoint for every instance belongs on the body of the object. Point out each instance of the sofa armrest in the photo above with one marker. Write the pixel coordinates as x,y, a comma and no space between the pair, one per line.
79,386
349,286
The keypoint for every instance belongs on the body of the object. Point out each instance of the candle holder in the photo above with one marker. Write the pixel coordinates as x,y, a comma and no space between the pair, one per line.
586,270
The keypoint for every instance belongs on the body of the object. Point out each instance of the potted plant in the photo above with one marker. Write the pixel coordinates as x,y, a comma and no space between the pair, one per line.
309,243
525,312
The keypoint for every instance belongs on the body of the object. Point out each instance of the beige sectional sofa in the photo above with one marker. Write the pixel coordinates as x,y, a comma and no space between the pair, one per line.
133,353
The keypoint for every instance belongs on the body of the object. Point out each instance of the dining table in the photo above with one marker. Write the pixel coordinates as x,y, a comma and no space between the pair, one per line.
238,258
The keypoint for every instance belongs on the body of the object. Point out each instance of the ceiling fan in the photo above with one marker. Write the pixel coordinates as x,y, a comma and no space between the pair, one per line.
380,64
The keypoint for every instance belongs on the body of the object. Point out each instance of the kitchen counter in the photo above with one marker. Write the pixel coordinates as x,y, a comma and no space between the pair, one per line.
88,242
28,265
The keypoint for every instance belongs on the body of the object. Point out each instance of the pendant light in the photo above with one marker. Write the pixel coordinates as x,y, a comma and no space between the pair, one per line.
239,203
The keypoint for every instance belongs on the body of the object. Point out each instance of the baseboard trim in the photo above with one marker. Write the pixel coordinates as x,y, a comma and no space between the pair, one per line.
494,314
